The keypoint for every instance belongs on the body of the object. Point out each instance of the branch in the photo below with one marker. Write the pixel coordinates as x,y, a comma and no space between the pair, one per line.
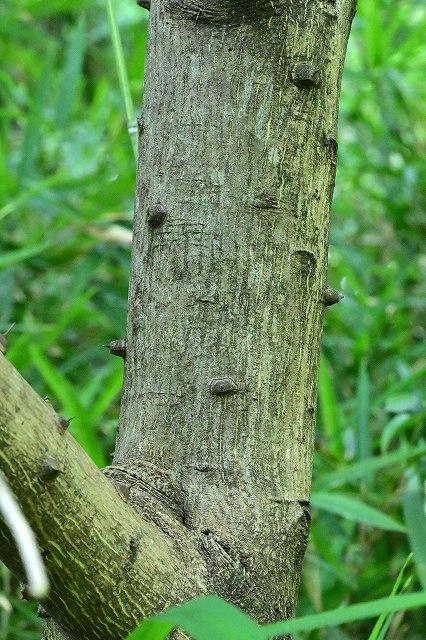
106,564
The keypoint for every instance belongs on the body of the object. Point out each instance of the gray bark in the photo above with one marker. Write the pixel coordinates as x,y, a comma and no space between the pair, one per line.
237,166
97,550
227,294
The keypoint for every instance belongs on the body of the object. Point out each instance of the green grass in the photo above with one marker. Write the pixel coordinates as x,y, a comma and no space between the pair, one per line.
67,179
67,176
371,394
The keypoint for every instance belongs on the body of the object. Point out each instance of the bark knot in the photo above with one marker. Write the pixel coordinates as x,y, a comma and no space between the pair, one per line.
49,469
306,75
224,385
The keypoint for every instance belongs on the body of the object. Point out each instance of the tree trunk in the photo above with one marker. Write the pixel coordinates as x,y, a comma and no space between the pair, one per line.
227,294
108,567
236,173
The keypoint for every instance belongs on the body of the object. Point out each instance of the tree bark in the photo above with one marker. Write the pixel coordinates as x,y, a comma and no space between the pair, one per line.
228,287
108,567
237,166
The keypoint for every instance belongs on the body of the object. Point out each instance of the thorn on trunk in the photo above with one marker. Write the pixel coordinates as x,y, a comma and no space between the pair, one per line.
63,423
117,348
145,4
49,469
42,613
331,296
306,75
221,386
3,339
156,214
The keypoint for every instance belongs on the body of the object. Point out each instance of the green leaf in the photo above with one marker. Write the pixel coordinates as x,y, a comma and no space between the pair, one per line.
207,618
403,403
336,617
211,618
367,467
21,255
385,619
362,412
328,407
122,76
353,509
415,519
71,73
151,629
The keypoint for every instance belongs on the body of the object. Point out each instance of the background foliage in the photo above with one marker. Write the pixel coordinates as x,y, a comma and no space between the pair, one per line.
67,177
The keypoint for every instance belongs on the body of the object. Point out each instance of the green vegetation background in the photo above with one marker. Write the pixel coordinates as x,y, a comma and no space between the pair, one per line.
67,177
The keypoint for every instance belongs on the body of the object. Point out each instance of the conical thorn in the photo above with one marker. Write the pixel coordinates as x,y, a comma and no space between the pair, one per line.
331,296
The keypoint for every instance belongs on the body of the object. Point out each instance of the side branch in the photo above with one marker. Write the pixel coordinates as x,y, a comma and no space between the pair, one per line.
107,565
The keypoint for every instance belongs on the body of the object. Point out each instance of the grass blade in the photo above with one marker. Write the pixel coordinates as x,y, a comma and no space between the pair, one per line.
211,618
110,388
71,73
367,467
336,617
123,77
409,381
21,255
31,146
385,619
414,516
353,509
362,413
328,407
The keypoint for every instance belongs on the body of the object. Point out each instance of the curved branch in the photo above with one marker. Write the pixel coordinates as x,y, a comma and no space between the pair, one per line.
108,566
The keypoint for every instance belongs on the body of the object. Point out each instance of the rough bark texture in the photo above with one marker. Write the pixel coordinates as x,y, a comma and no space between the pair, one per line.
108,567
237,165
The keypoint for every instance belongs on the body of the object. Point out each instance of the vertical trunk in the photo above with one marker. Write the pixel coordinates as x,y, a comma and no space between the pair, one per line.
236,173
